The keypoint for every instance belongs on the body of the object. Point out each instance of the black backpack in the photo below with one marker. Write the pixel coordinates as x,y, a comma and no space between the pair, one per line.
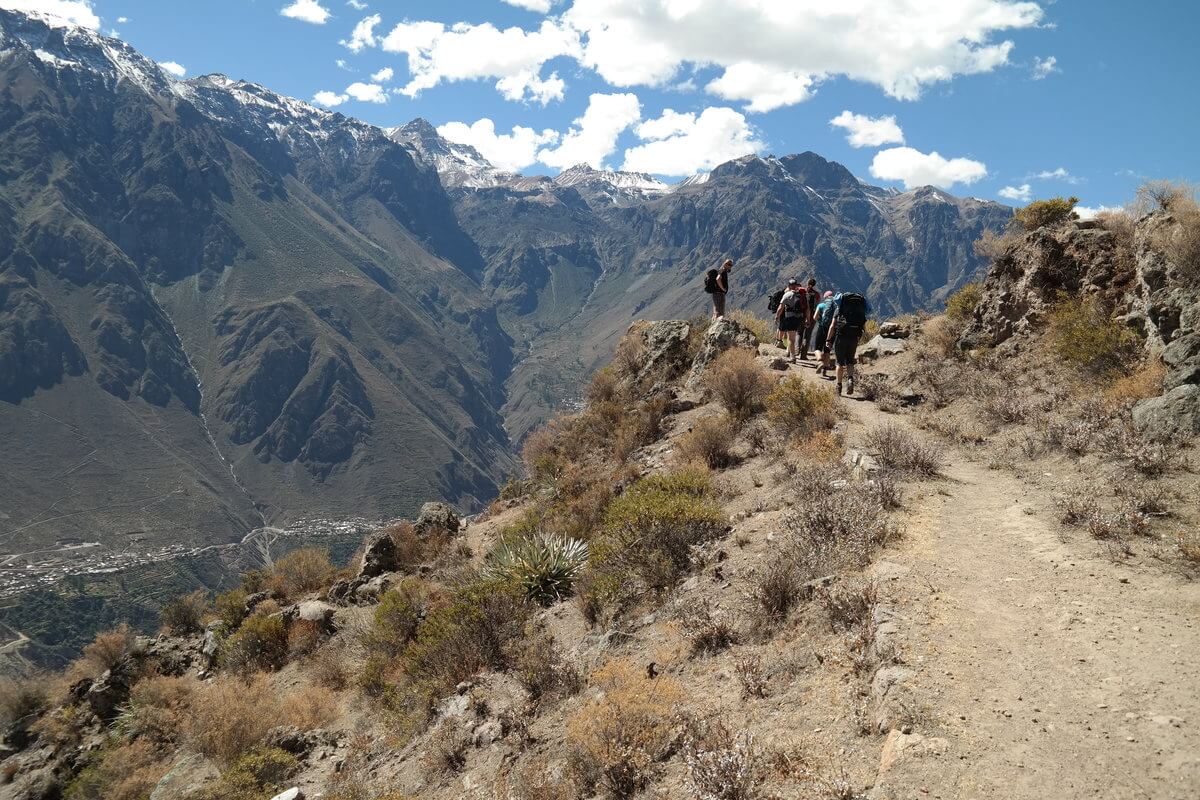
773,300
852,311
710,281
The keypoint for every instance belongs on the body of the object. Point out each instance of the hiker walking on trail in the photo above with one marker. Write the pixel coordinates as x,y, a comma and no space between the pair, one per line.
716,283
822,319
850,312
792,315
773,300
813,294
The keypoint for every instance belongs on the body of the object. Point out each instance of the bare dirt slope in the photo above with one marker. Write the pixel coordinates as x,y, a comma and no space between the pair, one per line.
1039,667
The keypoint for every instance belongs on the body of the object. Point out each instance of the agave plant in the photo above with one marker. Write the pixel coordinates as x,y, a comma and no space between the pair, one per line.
545,566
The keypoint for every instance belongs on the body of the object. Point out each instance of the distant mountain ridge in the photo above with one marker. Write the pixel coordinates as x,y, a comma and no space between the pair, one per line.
272,310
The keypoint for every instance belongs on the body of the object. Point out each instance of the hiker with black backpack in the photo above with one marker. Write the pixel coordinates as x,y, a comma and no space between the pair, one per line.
792,316
822,320
716,283
850,312
773,300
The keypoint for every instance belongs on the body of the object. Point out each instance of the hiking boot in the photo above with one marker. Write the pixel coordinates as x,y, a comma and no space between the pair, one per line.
839,388
850,386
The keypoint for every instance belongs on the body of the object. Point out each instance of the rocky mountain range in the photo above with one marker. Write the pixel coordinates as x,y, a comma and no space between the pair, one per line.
222,308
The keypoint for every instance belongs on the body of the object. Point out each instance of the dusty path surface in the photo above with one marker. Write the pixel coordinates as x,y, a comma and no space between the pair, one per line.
1038,667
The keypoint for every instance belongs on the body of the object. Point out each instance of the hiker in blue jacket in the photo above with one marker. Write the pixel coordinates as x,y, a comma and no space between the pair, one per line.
822,319
850,313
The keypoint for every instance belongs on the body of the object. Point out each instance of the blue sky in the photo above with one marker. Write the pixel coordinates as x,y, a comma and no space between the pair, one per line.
1113,101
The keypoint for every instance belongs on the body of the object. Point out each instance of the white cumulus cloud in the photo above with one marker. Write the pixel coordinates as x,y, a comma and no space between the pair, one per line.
329,99
384,75
122,20
508,151
915,168
1057,174
1044,67
540,6
174,68
1091,212
684,144
306,11
357,5
774,52
1021,194
593,136
58,12
864,131
363,34
367,92
514,57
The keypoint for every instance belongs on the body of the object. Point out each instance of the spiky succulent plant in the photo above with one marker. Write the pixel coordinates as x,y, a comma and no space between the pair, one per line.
545,566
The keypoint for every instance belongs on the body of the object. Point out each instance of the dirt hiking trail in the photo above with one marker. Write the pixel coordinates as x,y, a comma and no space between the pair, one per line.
1033,665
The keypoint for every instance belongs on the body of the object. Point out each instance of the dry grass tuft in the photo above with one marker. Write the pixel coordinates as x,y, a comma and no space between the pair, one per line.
618,739
303,570
230,717
797,407
722,765
739,383
708,631
898,449
709,442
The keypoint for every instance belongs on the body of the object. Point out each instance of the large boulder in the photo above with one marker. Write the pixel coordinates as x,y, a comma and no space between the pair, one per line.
379,556
437,515
1174,415
722,335
880,346
666,349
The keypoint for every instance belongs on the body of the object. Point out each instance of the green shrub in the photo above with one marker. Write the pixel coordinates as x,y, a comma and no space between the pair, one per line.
466,636
797,407
397,618
257,775
261,643
230,608
961,305
545,566
185,615
1084,336
649,532
1043,213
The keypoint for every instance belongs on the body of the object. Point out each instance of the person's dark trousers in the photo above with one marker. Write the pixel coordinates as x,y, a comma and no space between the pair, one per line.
719,303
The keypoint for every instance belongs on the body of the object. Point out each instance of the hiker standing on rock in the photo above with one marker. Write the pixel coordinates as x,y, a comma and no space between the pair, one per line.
716,283
850,312
792,315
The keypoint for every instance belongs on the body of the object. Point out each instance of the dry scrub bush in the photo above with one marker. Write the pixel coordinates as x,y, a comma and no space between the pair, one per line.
414,547
106,651
707,631
797,407
722,765
898,449
261,643
445,751
303,570
124,771
185,615
157,709
330,666
1141,383
230,608
605,386
709,442
849,604
630,355
777,590
618,739
993,246
230,716
1164,195
838,528
541,669
750,675
764,331
648,536
21,699
739,383
397,617
1085,336
1188,544
309,707
1043,213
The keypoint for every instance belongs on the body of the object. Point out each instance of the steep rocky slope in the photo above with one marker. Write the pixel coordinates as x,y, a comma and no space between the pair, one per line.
222,306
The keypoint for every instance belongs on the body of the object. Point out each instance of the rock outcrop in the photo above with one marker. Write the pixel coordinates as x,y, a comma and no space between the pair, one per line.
720,336
1133,279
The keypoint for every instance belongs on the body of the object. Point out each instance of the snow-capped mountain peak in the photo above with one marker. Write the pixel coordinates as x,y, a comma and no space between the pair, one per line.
629,183
458,165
